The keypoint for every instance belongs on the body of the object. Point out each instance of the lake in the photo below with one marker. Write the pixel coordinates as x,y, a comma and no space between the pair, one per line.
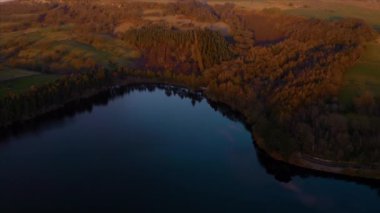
148,149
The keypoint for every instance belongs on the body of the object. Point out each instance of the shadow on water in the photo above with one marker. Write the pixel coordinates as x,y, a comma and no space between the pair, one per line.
60,116
281,171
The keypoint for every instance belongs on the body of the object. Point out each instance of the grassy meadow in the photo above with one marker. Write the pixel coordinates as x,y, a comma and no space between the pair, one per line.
334,11
11,74
20,84
364,76
70,50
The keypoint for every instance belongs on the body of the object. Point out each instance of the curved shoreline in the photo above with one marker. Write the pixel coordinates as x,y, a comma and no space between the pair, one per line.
317,164
338,168
296,159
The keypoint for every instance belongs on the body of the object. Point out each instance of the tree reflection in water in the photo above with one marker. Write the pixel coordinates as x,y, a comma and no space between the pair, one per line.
282,172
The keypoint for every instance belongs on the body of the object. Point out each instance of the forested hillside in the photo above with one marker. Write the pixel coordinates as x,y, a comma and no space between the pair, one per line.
283,73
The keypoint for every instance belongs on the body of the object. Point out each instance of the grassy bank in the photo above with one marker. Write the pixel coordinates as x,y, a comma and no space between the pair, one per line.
23,80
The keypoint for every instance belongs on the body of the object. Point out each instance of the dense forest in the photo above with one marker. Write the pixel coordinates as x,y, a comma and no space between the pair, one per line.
282,73
185,51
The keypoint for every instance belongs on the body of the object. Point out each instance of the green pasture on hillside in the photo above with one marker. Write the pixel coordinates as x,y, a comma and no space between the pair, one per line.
19,85
364,76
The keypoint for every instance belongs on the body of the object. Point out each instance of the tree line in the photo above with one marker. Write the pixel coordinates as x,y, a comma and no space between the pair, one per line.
284,80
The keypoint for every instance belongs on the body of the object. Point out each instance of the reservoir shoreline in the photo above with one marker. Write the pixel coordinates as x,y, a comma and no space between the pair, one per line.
296,159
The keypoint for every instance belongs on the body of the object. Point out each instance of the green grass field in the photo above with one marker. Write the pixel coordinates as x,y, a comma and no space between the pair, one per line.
59,42
364,76
7,74
21,84
40,42
333,11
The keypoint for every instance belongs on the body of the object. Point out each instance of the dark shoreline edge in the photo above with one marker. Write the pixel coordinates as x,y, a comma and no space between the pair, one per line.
299,160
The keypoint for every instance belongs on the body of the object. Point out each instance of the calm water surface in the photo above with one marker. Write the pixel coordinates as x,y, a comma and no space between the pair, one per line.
145,151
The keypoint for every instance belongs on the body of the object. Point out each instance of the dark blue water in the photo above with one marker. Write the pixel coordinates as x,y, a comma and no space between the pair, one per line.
145,151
